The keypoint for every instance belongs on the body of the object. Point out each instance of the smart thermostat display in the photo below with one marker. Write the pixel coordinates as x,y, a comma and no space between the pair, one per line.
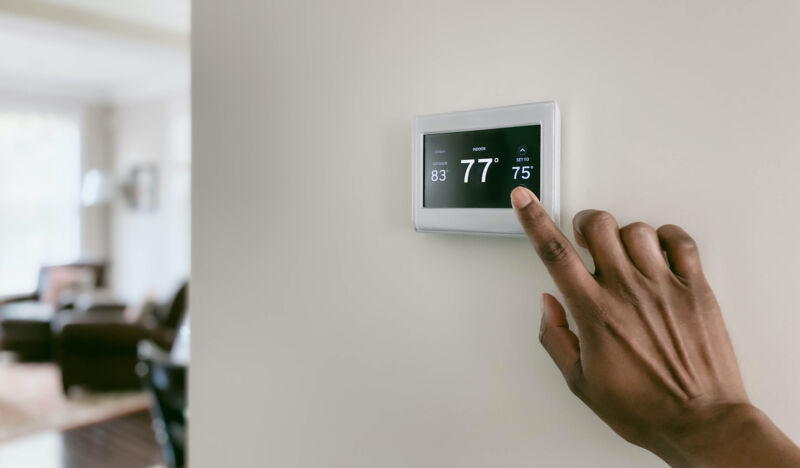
467,163
479,168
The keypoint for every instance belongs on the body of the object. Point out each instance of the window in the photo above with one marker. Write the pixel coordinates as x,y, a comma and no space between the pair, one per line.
40,163
179,205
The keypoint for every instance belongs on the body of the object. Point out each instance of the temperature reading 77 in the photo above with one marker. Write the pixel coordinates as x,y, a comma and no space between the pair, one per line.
523,171
469,162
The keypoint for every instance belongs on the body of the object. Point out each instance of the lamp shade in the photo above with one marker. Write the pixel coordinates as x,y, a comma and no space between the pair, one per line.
97,188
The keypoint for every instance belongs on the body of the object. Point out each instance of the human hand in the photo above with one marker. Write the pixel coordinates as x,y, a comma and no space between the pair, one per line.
651,355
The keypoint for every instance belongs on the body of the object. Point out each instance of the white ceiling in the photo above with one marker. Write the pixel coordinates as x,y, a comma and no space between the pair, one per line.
98,50
172,15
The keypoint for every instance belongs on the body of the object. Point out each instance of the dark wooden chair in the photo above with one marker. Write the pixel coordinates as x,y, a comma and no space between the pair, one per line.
165,379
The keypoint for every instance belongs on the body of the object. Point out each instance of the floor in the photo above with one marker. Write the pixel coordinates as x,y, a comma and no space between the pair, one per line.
124,442
32,401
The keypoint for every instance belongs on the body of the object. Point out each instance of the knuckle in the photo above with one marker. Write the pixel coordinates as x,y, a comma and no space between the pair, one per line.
573,375
638,231
676,238
599,220
573,383
686,244
667,228
537,216
542,334
554,251
669,231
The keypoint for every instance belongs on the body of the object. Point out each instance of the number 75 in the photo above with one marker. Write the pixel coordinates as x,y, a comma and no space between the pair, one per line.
526,171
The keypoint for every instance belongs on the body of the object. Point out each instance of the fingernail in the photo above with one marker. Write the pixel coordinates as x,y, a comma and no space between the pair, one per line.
521,197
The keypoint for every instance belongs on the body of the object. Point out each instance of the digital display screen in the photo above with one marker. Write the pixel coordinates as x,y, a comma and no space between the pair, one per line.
480,168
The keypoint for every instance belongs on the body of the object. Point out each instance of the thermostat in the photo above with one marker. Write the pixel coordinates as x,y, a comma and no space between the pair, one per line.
465,165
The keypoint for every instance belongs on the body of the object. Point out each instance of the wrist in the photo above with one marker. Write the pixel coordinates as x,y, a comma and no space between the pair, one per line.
704,438
727,435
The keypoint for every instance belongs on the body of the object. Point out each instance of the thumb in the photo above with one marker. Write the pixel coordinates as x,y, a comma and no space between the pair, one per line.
559,341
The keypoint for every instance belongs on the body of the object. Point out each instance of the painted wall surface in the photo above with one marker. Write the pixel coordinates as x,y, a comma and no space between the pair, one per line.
328,333
150,248
97,141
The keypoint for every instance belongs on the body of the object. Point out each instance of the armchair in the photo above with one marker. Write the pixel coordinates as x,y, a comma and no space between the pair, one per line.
53,279
97,348
25,319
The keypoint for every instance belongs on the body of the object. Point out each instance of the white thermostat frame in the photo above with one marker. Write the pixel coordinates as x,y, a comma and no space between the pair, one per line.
488,220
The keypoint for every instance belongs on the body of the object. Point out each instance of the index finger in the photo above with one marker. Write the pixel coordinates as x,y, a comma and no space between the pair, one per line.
555,250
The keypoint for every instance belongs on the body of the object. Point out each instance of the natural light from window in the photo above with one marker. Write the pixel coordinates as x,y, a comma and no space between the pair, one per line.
40,154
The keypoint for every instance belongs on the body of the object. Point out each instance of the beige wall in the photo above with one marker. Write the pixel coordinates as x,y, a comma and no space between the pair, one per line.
150,249
328,333
96,154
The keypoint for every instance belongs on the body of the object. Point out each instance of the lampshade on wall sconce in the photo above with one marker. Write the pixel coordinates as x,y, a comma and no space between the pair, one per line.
97,188
138,188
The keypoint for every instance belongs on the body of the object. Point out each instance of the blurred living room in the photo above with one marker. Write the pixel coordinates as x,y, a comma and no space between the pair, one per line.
95,241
